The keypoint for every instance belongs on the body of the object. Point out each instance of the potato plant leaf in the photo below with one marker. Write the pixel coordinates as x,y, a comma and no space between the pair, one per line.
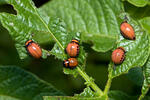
136,76
145,22
145,89
27,22
17,84
137,12
7,98
139,3
137,51
146,72
2,2
30,21
97,20
72,98
58,27
113,95
86,93
118,95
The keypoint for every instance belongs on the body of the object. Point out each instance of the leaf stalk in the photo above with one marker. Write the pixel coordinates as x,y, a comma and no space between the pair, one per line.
108,85
90,82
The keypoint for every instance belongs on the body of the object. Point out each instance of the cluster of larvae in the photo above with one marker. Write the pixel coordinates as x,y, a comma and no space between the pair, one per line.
127,31
72,49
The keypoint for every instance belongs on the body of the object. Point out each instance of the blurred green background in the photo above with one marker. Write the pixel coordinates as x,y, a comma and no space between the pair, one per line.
51,69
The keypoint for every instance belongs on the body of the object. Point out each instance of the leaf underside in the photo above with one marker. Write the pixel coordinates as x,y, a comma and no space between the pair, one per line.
139,3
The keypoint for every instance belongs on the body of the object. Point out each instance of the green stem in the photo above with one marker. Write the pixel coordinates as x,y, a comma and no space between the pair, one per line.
91,83
48,29
141,97
145,89
88,80
84,75
107,87
143,94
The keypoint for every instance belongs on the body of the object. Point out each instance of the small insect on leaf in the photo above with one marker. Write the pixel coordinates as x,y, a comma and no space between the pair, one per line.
33,49
127,31
70,63
118,55
73,48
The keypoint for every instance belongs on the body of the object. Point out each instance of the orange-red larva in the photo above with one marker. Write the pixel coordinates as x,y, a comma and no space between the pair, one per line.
73,48
127,31
70,63
33,49
118,55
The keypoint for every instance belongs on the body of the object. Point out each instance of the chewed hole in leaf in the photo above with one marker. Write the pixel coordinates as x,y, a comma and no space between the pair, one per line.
10,9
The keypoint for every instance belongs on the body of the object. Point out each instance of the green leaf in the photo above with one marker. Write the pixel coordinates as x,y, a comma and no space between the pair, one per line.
32,22
86,93
73,98
145,22
146,72
136,76
7,98
139,3
144,90
118,95
42,37
28,22
137,12
102,42
147,98
137,51
2,2
96,20
18,84
113,95
58,27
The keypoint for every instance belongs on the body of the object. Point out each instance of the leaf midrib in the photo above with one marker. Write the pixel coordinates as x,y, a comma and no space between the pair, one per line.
48,28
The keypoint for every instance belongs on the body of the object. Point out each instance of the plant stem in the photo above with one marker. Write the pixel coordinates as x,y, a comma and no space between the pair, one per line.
143,94
90,82
141,97
107,87
83,74
145,89
48,29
